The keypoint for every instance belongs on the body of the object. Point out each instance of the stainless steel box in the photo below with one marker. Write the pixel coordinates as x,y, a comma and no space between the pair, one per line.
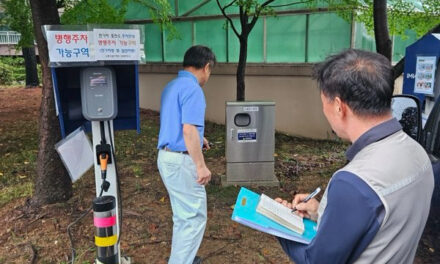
250,143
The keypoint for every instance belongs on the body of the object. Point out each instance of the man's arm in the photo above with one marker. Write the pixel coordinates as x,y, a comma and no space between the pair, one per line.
192,143
350,221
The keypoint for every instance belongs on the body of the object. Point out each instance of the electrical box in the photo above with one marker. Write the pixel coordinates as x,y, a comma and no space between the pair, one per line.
250,143
98,93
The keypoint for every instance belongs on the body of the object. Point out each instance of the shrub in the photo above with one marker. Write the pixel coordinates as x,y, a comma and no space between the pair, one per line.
12,70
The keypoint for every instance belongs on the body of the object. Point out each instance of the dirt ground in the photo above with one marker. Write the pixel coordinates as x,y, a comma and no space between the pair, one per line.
38,235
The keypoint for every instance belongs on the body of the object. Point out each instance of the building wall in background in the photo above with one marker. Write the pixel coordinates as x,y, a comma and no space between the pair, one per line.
298,104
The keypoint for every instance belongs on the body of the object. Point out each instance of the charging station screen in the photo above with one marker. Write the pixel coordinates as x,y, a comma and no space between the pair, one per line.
98,79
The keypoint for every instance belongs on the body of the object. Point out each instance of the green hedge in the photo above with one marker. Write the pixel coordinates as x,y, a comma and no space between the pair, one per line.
12,70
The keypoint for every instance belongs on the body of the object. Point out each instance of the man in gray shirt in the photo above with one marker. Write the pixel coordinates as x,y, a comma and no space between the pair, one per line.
375,208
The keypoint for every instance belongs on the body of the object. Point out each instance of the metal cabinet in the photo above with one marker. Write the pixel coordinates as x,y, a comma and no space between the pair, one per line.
250,143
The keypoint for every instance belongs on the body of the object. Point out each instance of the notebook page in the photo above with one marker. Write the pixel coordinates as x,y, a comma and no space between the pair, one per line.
280,210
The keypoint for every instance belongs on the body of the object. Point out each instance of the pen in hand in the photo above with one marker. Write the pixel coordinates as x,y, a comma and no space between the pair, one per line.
310,196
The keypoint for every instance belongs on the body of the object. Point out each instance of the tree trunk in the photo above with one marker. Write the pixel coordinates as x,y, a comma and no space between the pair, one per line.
398,68
381,34
52,183
241,68
30,62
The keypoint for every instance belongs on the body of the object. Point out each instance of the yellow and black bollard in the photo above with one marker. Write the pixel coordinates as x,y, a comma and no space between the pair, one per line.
106,237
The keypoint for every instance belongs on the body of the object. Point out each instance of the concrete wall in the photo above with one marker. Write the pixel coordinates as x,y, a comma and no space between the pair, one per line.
298,104
9,50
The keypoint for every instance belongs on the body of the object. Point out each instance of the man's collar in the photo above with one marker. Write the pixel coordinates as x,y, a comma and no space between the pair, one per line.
184,73
375,134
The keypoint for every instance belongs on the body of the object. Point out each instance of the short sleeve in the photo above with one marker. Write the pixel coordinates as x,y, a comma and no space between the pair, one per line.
193,106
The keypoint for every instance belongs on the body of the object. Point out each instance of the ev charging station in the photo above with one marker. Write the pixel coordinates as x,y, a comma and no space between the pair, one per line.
422,80
95,77
99,104
421,73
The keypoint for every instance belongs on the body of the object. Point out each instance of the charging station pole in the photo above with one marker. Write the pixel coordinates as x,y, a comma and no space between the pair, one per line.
111,175
100,107
111,170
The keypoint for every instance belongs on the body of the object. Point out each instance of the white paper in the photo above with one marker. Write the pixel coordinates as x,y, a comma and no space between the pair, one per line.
69,46
425,75
76,153
117,44
280,210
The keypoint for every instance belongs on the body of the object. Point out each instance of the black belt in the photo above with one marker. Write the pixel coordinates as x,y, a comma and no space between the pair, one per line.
181,152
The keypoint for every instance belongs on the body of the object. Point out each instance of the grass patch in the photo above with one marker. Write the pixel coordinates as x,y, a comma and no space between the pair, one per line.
136,155
10,193
222,192
18,152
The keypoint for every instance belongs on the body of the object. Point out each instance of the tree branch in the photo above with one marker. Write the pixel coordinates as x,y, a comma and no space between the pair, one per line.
295,3
228,5
258,12
227,17
243,21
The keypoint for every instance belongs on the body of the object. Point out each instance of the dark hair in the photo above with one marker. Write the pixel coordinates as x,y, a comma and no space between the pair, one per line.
198,56
361,79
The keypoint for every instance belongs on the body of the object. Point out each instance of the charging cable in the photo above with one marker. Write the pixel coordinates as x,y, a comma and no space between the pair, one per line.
103,160
117,180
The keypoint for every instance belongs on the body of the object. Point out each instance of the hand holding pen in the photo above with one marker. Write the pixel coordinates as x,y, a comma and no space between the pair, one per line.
308,197
305,206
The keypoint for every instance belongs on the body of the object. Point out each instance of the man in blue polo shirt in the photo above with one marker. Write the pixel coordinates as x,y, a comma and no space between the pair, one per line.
180,159
375,208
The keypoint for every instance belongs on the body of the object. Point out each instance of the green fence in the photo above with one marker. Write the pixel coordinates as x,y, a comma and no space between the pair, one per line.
284,38
280,39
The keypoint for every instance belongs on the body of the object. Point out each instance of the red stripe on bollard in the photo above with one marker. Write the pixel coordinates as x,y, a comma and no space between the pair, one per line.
105,222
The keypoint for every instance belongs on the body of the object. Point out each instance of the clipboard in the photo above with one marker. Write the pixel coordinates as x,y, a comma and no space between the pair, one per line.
245,213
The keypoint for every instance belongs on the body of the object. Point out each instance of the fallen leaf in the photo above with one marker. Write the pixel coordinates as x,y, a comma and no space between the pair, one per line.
1,173
275,155
26,162
21,176
162,199
265,251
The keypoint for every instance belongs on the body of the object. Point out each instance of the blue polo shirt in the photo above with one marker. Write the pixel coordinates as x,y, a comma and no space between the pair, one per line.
182,102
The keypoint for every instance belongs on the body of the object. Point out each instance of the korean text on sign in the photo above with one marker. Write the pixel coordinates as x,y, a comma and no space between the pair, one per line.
117,44
69,46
